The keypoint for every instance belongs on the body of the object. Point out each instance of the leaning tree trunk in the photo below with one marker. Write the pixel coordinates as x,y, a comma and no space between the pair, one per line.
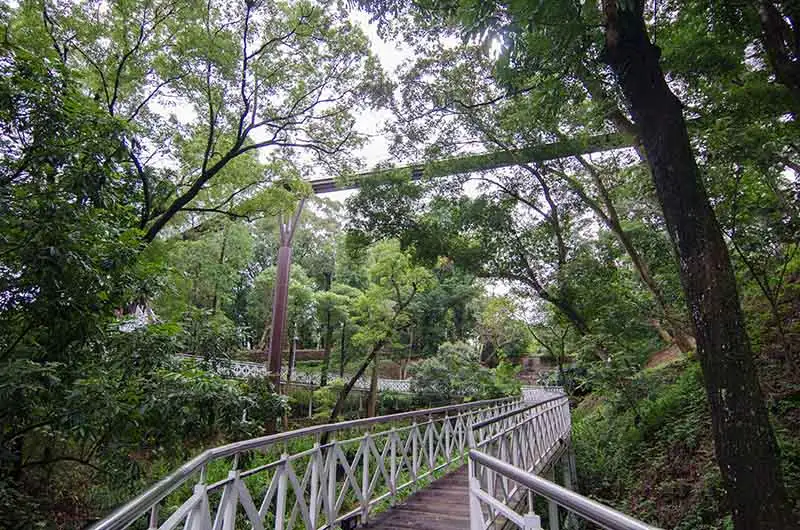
342,351
746,449
348,387
372,404
682,340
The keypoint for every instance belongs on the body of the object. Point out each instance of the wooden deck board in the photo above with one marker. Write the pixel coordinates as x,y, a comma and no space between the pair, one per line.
444,505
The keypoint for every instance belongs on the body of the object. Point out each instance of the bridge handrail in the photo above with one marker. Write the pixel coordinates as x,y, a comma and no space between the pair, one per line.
490,421
138,506
593,511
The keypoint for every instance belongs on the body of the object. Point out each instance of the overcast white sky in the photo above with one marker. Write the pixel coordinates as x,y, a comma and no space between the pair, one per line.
371,123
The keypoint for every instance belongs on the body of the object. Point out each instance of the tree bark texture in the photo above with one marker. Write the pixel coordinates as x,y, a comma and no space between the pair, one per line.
746,449
780,24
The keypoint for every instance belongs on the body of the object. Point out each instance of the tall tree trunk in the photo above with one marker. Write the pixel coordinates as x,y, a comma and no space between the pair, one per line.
221,261
279,301
326,358
746,449
280,297
372,404
781,39
341,351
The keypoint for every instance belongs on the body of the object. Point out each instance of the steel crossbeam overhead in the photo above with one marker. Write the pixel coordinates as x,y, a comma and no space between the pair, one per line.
480,162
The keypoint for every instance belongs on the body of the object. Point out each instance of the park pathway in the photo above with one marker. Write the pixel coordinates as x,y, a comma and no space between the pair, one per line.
442,505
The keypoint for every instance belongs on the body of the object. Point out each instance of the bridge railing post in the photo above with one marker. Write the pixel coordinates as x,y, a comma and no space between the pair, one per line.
283,487
365,497
200,516
393,461
153,519
431,432
313,501
230,501
552,507
531,521
475,513
330,490
463,429
414,451
445,438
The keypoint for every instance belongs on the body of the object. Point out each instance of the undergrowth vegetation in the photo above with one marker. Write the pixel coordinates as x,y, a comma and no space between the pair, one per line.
656,461
154,156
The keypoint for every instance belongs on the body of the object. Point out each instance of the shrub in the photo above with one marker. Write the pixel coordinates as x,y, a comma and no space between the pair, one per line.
455,373
391,402
299,399
660,450
325,399
500,381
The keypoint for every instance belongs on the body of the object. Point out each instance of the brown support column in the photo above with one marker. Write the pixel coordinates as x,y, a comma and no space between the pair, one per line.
281,295
279,302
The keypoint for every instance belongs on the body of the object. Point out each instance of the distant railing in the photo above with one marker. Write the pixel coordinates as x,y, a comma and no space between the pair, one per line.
540,393
507,454
292,480
244,369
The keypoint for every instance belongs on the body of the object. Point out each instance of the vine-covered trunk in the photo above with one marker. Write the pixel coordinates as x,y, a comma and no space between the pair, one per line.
746,449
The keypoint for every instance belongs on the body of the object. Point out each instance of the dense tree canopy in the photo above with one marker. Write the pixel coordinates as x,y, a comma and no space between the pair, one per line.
149,145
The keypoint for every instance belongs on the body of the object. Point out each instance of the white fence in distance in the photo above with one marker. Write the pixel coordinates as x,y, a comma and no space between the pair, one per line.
244,369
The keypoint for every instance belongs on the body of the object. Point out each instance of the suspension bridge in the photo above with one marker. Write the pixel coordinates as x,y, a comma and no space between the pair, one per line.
485,465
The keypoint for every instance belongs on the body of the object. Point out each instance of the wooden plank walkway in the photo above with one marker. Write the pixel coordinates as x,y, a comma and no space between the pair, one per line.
443,505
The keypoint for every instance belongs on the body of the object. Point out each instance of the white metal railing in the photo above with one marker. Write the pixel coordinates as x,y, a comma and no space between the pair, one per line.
292,480
509,451
243,369
540,393
592,511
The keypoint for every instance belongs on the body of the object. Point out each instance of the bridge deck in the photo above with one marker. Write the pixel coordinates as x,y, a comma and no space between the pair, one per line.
443,505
